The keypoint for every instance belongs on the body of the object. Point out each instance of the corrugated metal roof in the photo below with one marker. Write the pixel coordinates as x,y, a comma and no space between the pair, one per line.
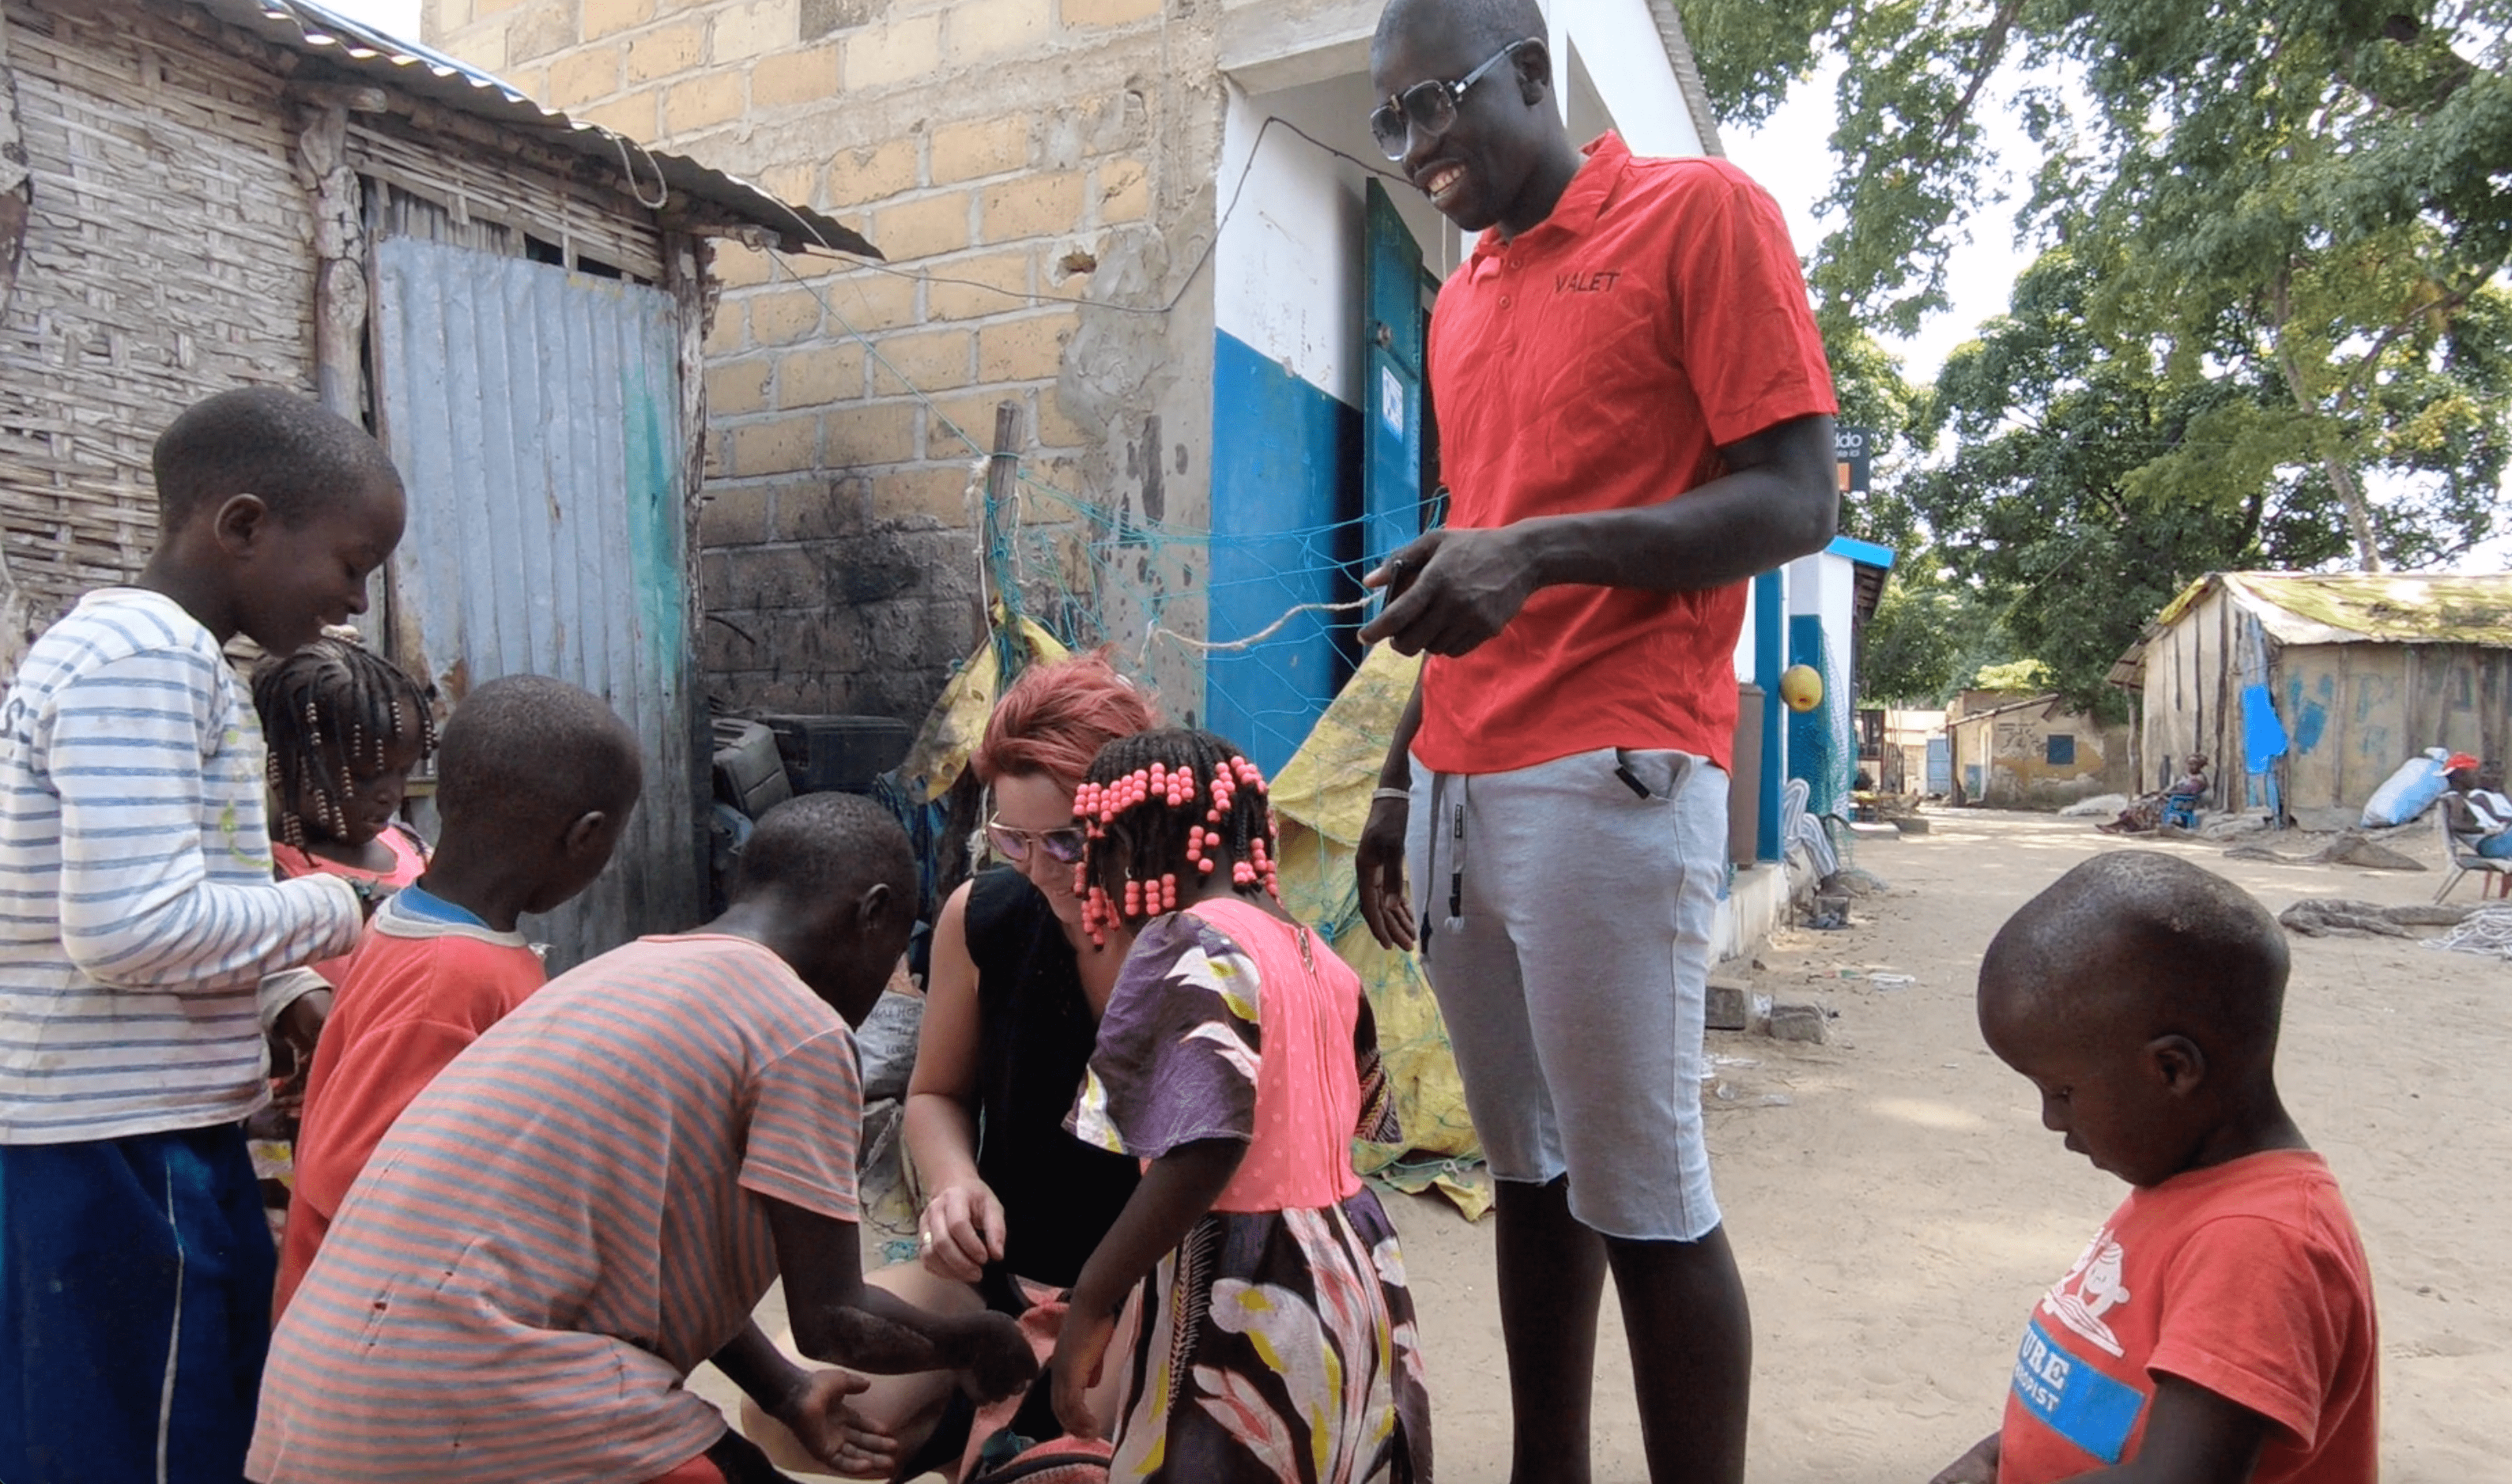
2350,607
361,51
2383,607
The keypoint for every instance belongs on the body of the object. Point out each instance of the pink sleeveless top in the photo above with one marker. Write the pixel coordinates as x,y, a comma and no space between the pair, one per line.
1308,1076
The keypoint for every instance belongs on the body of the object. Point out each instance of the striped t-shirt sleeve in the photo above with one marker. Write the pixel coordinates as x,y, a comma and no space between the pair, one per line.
124,746
802,1128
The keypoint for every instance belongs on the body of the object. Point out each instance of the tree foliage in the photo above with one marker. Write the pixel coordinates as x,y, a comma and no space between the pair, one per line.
2269,323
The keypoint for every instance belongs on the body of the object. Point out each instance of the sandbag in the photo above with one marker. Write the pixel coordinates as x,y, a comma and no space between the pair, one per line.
2406,792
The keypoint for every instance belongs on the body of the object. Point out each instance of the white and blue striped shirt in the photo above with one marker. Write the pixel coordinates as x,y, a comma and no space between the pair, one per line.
137,912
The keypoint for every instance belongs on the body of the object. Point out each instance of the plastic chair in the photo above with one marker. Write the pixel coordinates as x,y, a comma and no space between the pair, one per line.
2461,858
1798,827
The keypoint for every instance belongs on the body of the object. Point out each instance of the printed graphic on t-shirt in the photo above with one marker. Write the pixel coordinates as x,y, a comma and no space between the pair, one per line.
2089,1409
2090,1290
2097,1413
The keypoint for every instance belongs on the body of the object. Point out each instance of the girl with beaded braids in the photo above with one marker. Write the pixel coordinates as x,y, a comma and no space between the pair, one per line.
1237,1059
345,727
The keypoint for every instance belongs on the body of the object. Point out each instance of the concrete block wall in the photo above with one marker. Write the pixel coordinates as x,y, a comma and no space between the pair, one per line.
1038,174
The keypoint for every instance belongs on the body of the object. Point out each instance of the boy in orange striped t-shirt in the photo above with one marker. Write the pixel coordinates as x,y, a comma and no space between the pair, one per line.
590,1200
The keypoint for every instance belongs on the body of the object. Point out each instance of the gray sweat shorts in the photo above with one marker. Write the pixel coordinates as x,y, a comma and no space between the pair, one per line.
1565,912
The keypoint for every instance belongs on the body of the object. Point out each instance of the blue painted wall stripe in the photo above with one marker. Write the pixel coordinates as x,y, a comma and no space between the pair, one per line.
1286,481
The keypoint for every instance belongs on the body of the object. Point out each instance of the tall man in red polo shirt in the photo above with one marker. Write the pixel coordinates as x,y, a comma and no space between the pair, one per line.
1635,416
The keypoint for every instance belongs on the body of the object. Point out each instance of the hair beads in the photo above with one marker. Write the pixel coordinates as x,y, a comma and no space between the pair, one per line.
1143,829
327,710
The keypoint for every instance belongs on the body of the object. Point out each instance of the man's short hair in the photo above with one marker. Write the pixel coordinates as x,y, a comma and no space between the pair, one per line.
1487,24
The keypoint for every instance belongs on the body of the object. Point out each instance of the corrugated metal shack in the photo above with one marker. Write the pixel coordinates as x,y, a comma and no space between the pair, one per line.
196,196
2358,671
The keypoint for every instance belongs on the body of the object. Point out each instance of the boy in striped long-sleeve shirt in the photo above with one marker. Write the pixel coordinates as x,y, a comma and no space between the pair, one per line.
139,921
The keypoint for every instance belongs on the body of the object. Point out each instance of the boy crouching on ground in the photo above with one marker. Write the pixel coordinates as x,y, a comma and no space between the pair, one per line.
2220,1325
536,779
590,1200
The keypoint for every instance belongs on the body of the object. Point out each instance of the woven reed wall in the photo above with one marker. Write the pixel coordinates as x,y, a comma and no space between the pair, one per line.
482,199
167,257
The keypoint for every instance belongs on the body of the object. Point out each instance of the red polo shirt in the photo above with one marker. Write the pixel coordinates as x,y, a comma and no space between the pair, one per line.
1599,362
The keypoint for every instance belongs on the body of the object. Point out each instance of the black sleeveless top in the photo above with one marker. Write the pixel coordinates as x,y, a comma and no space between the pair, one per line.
1034,1036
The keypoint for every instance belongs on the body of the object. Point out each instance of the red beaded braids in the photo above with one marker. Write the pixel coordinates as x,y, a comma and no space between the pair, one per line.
1160,804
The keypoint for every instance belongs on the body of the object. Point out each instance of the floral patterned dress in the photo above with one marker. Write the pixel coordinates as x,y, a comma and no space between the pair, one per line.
1277,1344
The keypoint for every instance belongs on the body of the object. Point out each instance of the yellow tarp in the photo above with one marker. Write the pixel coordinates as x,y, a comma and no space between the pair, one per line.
958,721
1321,801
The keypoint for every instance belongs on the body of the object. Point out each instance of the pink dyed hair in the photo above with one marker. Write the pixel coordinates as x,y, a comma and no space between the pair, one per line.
1056,717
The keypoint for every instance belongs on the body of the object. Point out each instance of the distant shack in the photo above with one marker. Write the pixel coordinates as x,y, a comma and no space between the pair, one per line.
2026,751
2309,690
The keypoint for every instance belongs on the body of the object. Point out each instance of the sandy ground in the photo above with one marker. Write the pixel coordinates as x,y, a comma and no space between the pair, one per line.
1898,1207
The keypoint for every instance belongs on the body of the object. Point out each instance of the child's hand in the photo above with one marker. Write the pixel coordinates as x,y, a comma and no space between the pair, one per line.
834,1432
1001,1360
1978,1467
298,1029
1081,1350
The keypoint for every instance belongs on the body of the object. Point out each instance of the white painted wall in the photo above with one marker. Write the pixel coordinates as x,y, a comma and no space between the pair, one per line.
1617,42
1287,267
1824,584
1745,667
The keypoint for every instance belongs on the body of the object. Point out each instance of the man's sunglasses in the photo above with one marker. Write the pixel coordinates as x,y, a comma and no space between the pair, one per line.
1430,107
1062,846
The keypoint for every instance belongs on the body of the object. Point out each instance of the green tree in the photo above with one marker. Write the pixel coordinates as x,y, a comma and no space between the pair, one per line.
2092,477
2301,209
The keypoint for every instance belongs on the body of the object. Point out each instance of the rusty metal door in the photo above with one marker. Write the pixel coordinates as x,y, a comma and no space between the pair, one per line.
536,414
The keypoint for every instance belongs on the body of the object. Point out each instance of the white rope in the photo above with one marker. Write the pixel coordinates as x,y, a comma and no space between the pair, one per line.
1233,645
661,200
2487,932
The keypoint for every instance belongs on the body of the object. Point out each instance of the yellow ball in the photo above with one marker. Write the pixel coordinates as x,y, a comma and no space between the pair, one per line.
1801,687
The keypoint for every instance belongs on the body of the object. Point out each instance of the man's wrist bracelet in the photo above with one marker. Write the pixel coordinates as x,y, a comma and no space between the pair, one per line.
1403,796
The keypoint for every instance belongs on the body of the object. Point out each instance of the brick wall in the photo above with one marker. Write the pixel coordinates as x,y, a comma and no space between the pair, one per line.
1006,155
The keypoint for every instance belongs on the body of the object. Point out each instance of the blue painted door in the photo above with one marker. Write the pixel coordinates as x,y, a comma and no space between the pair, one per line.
1940,766
1394,337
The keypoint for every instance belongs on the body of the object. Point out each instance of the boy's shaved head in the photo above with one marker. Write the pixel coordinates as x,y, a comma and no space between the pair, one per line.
536,750
297,456
1485,24
2146,944
826,847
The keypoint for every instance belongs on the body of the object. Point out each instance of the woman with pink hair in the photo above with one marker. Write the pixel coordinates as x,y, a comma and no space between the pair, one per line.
1014,1203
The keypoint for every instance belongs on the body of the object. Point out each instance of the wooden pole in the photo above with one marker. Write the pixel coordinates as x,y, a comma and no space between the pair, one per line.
1003,476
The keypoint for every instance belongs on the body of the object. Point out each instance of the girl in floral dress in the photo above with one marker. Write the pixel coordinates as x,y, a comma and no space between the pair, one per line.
1237,1060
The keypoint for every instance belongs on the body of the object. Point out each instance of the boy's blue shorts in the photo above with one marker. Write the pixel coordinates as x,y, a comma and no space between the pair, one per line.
136,1280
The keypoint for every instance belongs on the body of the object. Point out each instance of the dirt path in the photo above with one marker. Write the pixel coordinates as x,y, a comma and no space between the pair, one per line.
1901,1212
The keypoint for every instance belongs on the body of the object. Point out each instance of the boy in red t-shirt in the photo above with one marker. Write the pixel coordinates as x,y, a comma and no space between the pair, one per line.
536,778
2221,1324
